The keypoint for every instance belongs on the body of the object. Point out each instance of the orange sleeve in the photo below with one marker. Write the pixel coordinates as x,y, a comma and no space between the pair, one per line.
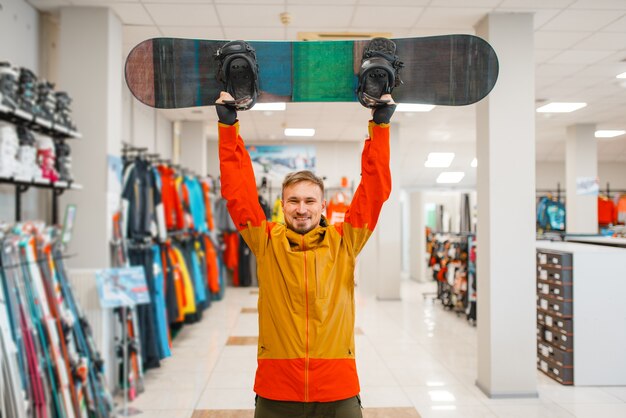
375,186
237,176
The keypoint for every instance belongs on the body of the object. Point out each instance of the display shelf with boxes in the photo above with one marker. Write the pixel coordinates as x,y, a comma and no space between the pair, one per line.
581,336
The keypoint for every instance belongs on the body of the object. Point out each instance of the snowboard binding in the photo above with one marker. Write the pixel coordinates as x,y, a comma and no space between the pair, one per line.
379,72
238,71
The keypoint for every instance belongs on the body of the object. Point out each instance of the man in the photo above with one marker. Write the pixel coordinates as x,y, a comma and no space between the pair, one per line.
306,356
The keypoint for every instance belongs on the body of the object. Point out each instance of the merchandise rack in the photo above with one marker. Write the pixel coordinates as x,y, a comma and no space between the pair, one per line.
36,123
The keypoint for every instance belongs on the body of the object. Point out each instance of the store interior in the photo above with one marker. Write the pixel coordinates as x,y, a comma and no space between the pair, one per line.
491,286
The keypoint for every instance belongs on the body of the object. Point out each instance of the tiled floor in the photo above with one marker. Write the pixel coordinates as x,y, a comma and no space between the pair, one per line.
411,355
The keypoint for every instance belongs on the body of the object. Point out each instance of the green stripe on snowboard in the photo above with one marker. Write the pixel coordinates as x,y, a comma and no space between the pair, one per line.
323,71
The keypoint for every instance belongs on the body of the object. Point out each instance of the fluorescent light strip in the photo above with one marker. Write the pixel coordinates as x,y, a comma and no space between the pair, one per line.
450,177
474,163
557,107
411,107
622,75
299,132
609,133
270,106
439,159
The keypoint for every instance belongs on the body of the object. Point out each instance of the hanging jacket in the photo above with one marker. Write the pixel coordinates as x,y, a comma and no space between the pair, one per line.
173,208
306,282
141,202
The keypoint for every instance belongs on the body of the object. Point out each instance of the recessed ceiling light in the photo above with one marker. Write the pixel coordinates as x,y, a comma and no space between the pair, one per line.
299,132
409,107
609,134
448,177
556,107
474,163
270,106
439,159
622,75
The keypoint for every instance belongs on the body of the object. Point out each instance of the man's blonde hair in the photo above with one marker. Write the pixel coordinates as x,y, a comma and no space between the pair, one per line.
300,176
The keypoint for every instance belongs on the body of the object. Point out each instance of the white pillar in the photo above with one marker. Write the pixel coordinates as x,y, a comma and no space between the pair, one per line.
417,238
581,162
388,231
90,70
505,135
193,147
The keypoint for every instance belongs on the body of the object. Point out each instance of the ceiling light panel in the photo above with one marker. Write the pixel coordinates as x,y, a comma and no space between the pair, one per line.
450,177
279,106
410,107
439,159
299,132
609,133
560,107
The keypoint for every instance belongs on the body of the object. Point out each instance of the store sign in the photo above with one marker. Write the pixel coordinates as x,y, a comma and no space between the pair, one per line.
125,286
587,186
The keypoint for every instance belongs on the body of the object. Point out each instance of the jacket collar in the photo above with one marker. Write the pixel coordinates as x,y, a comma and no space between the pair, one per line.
311,239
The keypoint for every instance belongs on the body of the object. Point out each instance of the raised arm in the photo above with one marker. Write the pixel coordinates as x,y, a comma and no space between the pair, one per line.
375,186
237,176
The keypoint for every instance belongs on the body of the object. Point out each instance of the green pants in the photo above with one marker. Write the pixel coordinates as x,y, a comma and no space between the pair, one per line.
347,408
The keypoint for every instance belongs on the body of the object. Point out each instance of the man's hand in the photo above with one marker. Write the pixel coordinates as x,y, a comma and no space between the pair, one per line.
226,113
383,113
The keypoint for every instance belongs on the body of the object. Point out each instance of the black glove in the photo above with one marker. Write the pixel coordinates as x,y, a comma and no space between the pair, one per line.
226,114
383,114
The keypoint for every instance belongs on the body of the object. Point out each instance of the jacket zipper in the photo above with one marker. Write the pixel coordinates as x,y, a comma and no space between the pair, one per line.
306,354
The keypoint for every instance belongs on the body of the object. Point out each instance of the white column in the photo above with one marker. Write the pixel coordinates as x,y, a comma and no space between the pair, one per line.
193,147
417,238
581,162
388,231
90,70
506,227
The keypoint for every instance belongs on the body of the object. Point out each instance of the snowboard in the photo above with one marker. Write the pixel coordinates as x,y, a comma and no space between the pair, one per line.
450,70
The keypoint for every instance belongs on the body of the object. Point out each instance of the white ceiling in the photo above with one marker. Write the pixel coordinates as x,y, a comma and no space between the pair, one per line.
580,46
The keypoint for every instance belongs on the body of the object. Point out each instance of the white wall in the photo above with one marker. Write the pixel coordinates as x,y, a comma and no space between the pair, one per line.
19,44
19,32
143,126
334,160
549,174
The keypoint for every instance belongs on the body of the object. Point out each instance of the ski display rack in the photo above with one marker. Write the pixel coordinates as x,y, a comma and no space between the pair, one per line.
20,117
54,367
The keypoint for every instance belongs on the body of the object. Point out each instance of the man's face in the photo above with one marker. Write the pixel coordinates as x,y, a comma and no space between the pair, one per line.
303,205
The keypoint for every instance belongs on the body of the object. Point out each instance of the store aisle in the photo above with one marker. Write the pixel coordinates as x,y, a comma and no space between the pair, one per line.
412,356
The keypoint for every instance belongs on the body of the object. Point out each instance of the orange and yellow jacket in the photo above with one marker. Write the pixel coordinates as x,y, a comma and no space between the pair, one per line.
306,282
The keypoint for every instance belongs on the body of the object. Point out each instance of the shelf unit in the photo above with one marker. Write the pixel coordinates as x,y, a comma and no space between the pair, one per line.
581,336
45,127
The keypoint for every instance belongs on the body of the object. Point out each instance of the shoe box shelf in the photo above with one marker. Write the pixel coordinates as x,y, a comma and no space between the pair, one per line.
21,118
581,314
35,123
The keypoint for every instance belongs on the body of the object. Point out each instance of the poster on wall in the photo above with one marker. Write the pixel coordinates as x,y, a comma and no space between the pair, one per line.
275,161
587,186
